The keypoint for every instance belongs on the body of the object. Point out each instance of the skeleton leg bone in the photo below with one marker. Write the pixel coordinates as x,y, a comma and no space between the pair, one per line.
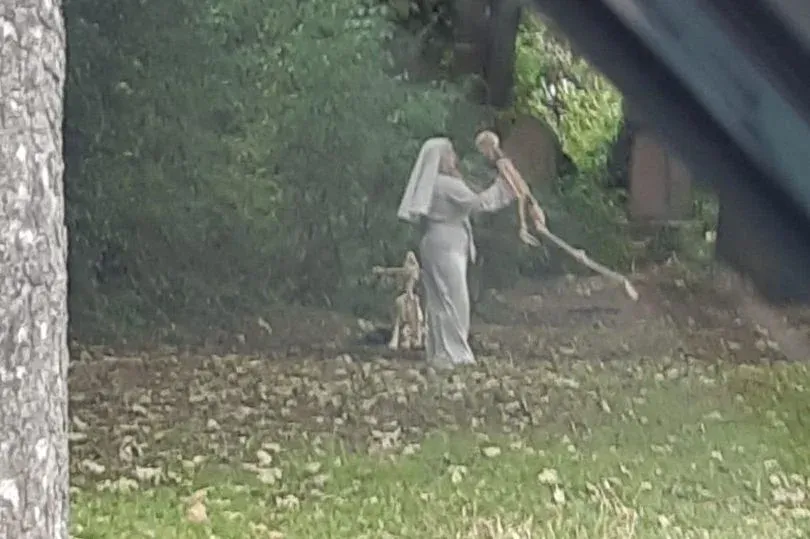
419,336
393,344
524,233
406,342
408,331
582,257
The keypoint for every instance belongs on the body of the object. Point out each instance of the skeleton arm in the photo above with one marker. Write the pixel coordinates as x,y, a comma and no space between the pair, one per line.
511,175
397,271
409,270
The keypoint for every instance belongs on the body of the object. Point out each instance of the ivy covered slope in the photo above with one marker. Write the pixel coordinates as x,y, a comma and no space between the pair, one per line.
225,155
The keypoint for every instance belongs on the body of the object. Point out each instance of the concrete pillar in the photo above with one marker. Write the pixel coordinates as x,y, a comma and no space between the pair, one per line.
660,183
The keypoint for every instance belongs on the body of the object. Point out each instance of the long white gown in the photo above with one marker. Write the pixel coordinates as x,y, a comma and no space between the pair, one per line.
446,247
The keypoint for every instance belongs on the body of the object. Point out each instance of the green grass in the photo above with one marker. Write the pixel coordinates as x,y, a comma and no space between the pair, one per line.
710,453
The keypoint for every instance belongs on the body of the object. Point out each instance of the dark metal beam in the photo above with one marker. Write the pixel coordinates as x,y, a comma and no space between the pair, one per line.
764,232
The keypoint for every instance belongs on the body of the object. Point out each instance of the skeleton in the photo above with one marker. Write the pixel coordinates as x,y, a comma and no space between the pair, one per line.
488,144
409,320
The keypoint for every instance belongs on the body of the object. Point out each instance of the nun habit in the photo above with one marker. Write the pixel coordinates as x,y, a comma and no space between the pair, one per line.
440,202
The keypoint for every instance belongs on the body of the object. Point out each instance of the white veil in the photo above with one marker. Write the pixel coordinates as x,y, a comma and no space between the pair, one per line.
419,192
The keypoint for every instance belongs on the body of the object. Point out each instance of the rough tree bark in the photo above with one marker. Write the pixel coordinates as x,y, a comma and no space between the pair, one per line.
33,273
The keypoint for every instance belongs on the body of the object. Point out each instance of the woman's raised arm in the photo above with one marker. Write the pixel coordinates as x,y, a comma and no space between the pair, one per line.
495,197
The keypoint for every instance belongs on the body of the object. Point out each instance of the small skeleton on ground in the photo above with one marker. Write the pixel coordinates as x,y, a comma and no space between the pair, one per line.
488,144
409,320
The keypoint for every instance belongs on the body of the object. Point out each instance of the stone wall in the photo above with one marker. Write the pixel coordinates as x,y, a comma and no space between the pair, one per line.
659,182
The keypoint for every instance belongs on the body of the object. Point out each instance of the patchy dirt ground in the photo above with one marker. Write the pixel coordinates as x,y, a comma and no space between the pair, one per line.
708,317
302,373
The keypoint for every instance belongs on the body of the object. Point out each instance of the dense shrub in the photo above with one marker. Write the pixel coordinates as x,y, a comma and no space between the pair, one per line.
224,155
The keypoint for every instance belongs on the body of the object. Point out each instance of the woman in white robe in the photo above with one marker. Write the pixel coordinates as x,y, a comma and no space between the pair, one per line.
438,199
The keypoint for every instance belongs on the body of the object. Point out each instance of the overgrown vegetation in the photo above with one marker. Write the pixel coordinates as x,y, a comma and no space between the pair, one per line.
582,107
225,155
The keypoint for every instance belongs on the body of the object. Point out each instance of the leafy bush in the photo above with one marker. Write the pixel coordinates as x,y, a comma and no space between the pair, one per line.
224,155
555,84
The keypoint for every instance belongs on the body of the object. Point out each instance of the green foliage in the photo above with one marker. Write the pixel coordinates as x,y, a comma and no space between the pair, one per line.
222,155
692,241
555,84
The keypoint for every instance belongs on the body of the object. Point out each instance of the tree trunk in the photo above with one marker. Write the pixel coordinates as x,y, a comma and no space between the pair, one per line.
33,273
745,242
499,66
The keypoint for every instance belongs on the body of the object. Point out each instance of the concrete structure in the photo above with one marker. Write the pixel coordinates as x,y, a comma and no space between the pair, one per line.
659,183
